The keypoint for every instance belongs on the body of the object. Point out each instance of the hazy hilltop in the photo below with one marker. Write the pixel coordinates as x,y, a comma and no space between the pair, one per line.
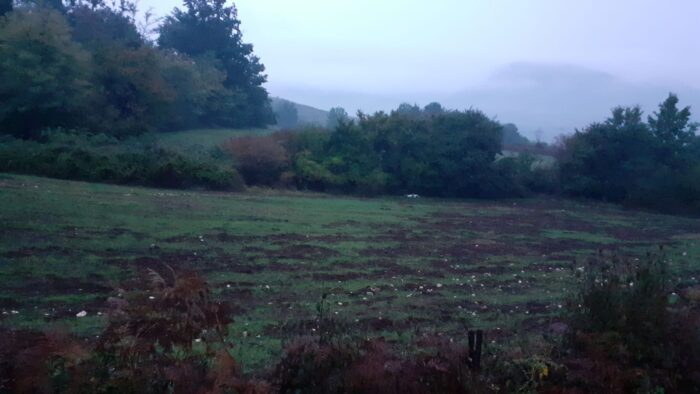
554,99
557,99
306,114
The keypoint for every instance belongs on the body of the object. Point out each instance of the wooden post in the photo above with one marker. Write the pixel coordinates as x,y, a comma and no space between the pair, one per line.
476,339
477,355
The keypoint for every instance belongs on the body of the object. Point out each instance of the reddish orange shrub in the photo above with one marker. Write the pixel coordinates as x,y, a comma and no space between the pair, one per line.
260,159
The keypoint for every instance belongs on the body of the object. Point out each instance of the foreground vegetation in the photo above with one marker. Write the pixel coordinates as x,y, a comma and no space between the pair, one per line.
390,267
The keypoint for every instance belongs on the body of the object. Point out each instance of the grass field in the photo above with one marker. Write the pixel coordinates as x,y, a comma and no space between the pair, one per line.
390,266
204,138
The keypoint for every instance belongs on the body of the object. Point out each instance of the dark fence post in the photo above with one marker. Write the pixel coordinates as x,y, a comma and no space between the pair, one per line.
476,339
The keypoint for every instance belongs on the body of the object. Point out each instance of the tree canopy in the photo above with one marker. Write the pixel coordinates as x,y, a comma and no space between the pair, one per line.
624,159
90,69
210,28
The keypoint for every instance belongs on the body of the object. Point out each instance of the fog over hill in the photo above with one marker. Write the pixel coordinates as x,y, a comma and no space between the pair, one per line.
306,114
554,99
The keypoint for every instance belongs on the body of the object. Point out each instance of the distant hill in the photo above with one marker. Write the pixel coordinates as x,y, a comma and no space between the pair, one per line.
544,100
305,113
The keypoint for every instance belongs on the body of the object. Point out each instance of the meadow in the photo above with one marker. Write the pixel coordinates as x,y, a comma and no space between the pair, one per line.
390,266
186,140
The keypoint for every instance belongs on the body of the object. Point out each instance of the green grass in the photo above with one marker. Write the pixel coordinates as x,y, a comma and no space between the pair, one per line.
390,266
205,138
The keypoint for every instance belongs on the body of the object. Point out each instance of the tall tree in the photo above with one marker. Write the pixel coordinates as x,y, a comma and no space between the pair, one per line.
209,27
408,110
44,76
433,108
336,116
511,136
134,95
672,126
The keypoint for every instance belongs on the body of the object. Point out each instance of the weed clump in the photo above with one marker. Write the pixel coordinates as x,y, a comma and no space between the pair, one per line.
629,331
167,336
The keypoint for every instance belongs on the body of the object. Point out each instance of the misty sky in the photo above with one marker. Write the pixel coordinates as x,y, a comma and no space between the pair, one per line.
371,55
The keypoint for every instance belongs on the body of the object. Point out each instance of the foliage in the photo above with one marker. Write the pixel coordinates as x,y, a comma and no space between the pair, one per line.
44,75
336,116
91,69
436,153
445,154
511,136
260,159
627,160
200,99
136,94
433,108
103,159
167,335
94,27
210,28
371,366
672,127
632,328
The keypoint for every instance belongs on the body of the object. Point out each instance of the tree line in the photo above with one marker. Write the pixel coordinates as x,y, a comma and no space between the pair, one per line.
653,163
85,65
429,151
627,160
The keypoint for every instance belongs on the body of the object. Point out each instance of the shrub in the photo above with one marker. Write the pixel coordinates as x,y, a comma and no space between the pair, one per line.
632,337
372,367
260,159
102,159
165,336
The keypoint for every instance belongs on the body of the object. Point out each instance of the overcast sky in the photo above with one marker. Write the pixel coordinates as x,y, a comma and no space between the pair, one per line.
436,48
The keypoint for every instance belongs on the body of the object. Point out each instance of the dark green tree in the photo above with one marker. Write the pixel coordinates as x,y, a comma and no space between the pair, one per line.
408,110
675,134
44,75
199,98
336,116
209,27
511,136
97,27
609,160
433,108
671,125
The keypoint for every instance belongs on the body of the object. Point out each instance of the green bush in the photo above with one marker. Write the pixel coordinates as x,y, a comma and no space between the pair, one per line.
100,158
445,154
